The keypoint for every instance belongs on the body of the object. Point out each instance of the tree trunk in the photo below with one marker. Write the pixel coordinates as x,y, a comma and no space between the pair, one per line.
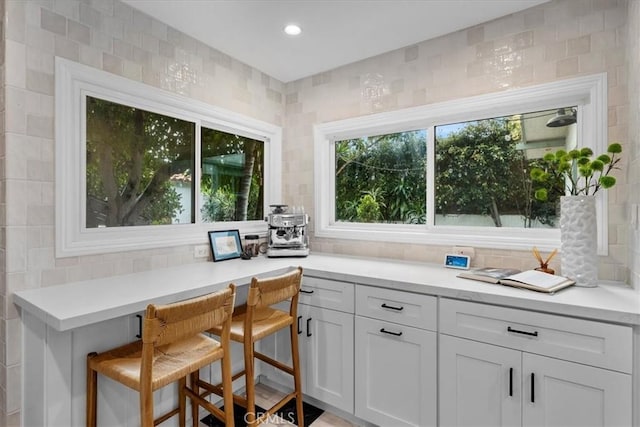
129,194
242,201
495,214
147,196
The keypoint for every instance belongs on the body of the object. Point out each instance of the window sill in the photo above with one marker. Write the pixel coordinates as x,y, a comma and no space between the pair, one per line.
517,239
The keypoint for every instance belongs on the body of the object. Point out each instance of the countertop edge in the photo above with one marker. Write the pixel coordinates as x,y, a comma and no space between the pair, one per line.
51,304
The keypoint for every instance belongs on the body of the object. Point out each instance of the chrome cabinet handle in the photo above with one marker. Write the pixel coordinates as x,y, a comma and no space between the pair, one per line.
309,327
299,328
306,292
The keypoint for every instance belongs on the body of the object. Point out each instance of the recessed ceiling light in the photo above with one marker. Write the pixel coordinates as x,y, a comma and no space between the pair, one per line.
292,29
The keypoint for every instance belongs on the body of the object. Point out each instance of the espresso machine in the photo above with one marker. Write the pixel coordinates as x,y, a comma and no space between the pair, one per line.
287,233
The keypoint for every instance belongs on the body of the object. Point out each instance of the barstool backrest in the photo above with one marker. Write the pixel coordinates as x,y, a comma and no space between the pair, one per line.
272,290
165,324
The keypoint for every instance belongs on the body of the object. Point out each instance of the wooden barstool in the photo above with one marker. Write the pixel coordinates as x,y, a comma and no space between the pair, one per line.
172,347
255,321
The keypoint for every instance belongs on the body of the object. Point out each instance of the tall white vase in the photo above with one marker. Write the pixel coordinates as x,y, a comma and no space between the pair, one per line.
579,244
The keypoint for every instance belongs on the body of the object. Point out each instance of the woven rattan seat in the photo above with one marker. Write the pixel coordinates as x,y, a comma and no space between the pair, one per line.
255,321
172,348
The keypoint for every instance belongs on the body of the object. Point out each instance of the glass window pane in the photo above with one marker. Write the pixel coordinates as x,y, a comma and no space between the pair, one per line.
232,183
139,166
482,175
382,179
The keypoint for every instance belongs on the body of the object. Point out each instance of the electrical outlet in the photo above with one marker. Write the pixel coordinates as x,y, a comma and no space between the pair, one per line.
464,250
201,251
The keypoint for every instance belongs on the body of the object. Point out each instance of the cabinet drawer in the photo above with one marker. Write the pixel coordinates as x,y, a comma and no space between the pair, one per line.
583,341
396,374
405,308
327,294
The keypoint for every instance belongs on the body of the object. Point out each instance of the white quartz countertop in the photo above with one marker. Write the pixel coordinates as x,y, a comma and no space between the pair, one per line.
77,304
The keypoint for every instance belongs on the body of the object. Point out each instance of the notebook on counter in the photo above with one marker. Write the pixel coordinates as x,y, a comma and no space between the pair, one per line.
529,279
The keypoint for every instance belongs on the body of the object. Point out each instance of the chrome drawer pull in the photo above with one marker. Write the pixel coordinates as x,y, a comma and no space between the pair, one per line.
384,305
397,334
515,331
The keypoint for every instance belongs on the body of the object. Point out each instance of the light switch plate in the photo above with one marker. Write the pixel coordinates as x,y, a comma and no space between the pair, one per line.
201,251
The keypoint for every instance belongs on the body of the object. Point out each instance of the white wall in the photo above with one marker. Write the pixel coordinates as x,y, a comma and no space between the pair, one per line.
633,170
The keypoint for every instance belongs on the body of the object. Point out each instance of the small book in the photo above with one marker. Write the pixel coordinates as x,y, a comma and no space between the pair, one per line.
530,279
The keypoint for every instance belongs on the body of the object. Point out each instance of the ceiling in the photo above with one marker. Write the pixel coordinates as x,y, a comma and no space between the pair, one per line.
335,32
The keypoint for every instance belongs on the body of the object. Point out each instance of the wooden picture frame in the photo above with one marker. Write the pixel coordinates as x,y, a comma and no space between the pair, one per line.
225,244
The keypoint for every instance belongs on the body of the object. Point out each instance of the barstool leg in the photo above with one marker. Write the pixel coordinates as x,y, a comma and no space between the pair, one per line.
195,409
227,387
250,385
297,381
146,405
92,390
182,402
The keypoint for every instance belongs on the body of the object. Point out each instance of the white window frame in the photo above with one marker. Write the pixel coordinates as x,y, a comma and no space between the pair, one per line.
589,93
74,82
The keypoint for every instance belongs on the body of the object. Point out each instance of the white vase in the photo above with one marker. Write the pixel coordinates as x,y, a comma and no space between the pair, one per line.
579,245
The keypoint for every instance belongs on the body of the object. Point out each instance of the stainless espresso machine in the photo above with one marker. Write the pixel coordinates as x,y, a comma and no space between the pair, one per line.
287,232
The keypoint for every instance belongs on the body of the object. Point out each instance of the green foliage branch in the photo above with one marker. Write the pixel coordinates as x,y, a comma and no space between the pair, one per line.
577,171
382,178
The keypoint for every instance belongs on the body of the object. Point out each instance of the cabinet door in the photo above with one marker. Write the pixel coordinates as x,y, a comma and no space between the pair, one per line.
325,338
395,374
567,394
479,384
328,346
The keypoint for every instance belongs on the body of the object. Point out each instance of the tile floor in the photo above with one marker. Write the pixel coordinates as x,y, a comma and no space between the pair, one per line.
267,397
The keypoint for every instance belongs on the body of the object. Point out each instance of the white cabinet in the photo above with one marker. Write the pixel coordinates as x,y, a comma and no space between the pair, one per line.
479,384
560,393
325,338
395,372
327,354
489,384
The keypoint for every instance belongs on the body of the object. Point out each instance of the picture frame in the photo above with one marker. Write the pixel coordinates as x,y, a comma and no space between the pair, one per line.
225,244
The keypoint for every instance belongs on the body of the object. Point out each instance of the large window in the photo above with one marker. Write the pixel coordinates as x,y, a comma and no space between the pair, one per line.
232,174
456,172
137,167
482,169
382,178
